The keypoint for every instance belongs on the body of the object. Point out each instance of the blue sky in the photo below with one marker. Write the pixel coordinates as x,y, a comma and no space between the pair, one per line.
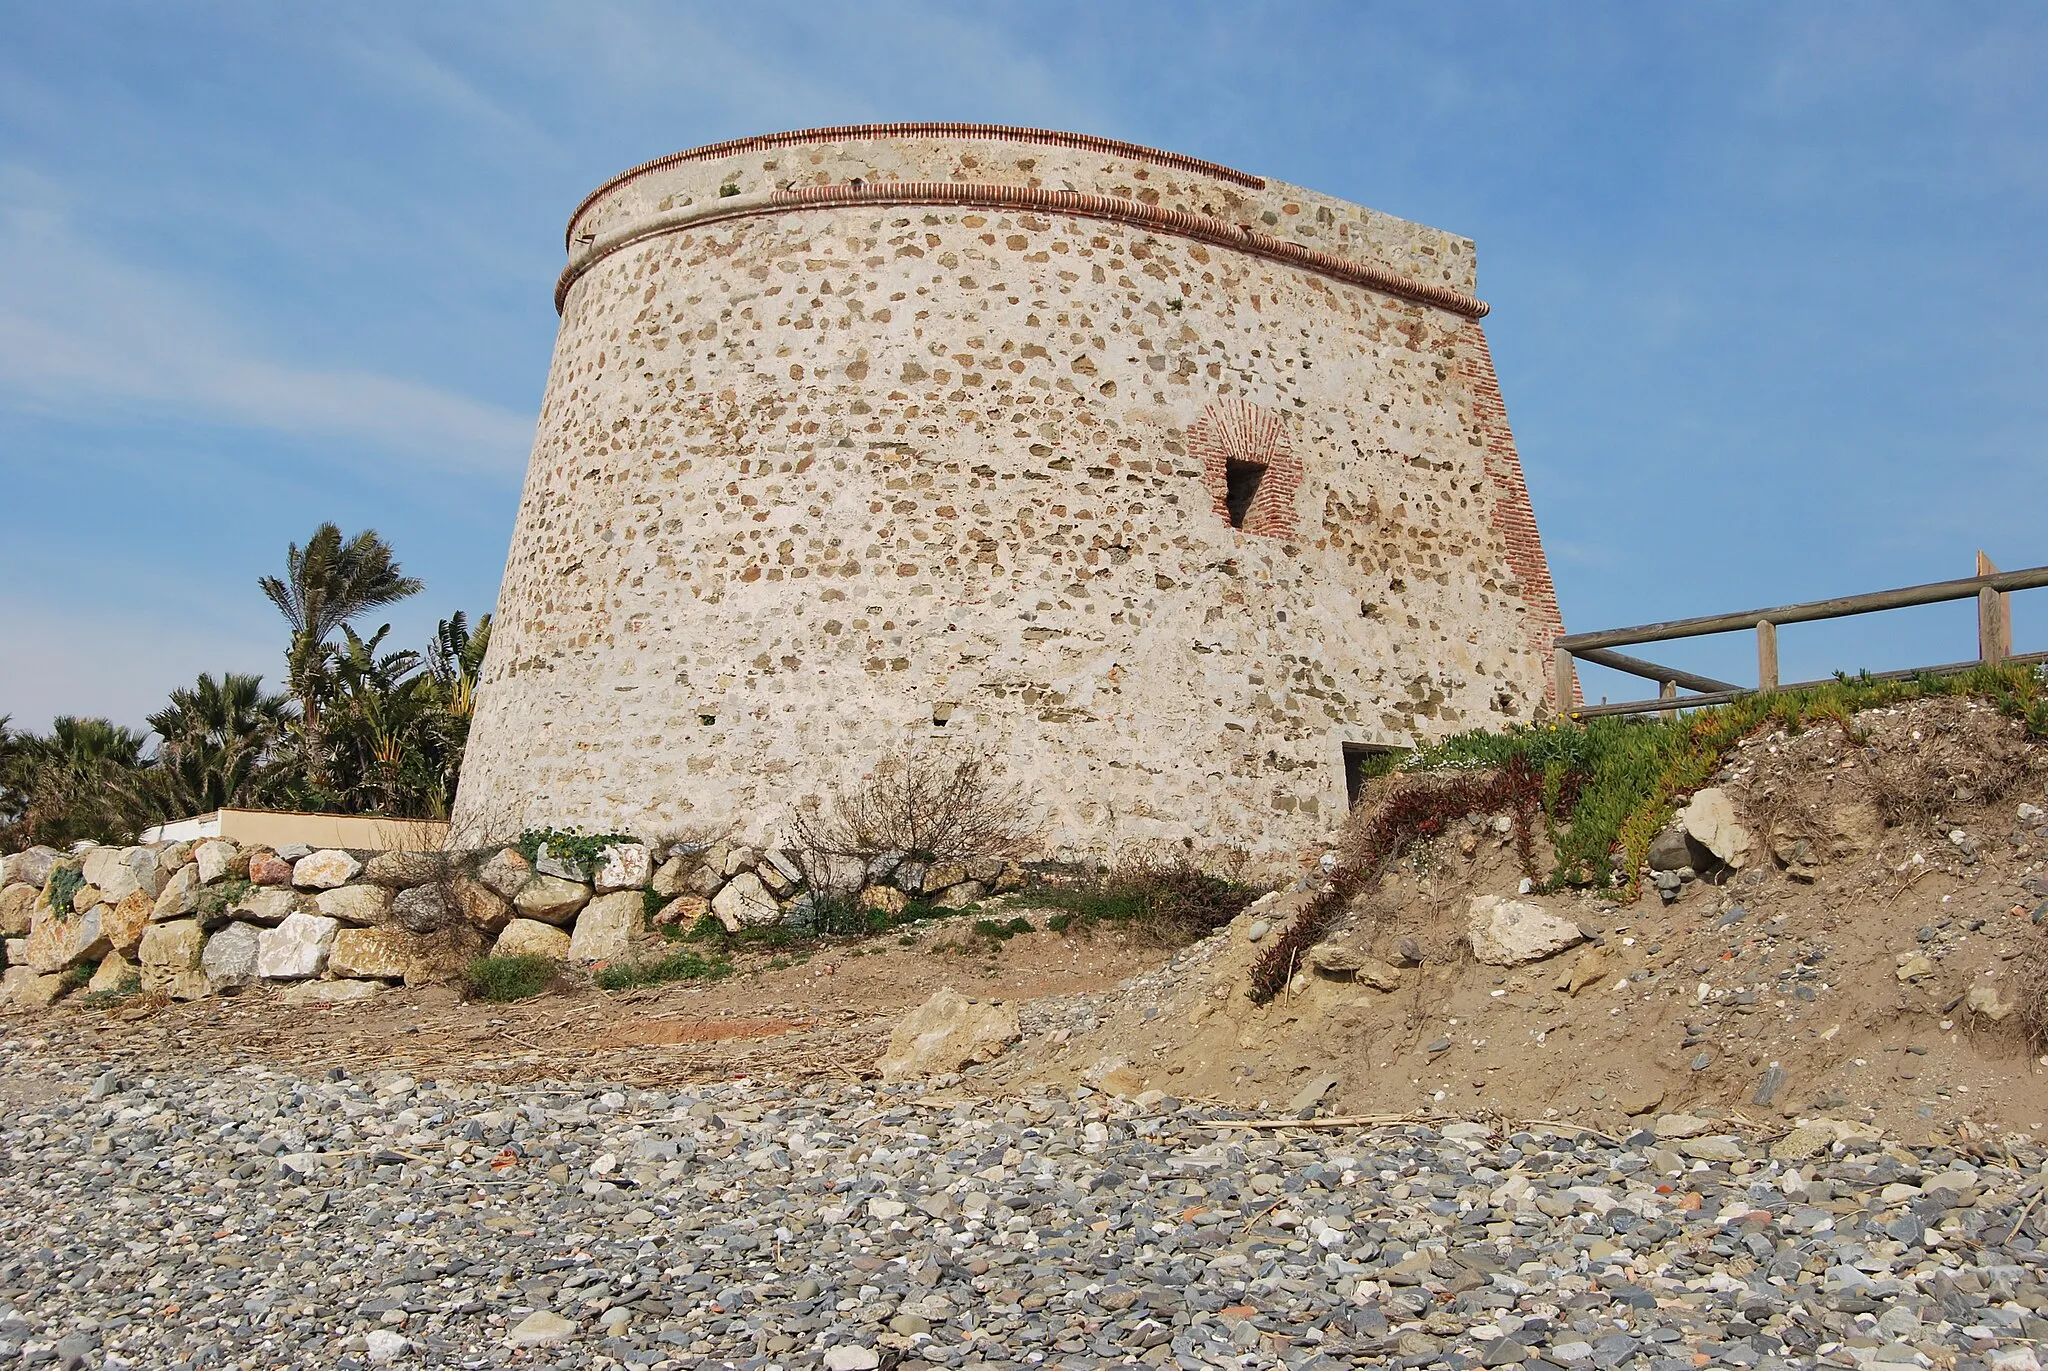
1768,281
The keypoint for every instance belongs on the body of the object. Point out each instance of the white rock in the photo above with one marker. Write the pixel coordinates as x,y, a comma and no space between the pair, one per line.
266,904
623,866
31,867
325,870
121,871
383,1347
604,930
179,897
945,1033
1510,932
359,905
540,1328
231,956
296,948
1710,820
532,938
212,858
745,903
848,1357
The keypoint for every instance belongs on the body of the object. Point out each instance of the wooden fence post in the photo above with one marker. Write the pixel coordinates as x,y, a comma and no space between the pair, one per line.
1562,679
1766,655
1994,618
1668,690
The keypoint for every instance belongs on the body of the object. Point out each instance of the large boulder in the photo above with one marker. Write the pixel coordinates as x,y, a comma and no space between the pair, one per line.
170,956
114,975
623,866
1674,849
1510,932
604,930
31,867
507,872
296,948
745,903
672,878
682,912
551,899
401,870
947,1032
180,895
28,988
175,945
268,868
123,923
269,905
358,906
327,869
1710,821
17,906
441,958
217,859
57,941
423,908
532,938
121,871
371,953
559,865
231,956
480,906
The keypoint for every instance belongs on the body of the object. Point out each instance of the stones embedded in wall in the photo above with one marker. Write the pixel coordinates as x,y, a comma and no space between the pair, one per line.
346,925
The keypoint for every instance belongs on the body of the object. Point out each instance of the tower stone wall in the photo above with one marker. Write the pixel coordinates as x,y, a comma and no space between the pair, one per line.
1157,481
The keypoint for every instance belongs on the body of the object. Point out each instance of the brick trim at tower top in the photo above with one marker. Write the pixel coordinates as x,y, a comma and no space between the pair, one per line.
1514,518
854,133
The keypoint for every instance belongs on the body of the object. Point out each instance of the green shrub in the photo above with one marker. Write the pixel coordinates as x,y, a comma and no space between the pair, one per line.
129,987
677,966
215,900
78,977
1610,784
566,844
500,979
997,931
64,883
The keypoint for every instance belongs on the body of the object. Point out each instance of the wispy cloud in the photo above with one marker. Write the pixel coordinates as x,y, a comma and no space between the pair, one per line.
83,332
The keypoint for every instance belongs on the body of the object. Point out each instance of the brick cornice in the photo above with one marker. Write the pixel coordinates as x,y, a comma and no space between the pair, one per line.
955,194
857,133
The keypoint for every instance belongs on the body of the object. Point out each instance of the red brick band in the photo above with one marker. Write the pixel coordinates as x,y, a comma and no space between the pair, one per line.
951,194
867,133
1514,518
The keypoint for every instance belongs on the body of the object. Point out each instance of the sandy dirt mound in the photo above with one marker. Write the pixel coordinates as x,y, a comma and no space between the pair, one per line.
1894,886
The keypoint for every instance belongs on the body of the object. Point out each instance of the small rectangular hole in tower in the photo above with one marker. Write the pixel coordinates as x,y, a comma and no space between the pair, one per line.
1362,762
1240,488
941,715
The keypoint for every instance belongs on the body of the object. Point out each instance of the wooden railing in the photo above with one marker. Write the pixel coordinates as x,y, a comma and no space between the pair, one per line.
1990,588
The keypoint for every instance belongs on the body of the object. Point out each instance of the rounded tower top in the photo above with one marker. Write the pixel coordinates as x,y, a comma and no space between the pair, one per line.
1009,169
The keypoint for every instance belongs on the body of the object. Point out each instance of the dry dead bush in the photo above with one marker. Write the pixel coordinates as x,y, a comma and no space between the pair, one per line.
2030,983
1164,901
928,806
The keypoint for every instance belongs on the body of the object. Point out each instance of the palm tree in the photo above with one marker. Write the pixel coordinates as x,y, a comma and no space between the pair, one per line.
324,587
456,658
218,737
84,780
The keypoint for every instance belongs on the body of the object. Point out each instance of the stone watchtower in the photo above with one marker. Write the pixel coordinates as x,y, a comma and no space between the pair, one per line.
1173,487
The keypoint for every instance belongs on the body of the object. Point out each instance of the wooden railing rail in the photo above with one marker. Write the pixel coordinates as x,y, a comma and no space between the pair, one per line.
1990,588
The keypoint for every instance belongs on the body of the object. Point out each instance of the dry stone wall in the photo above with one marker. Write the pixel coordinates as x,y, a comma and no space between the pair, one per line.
867,442
189,920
